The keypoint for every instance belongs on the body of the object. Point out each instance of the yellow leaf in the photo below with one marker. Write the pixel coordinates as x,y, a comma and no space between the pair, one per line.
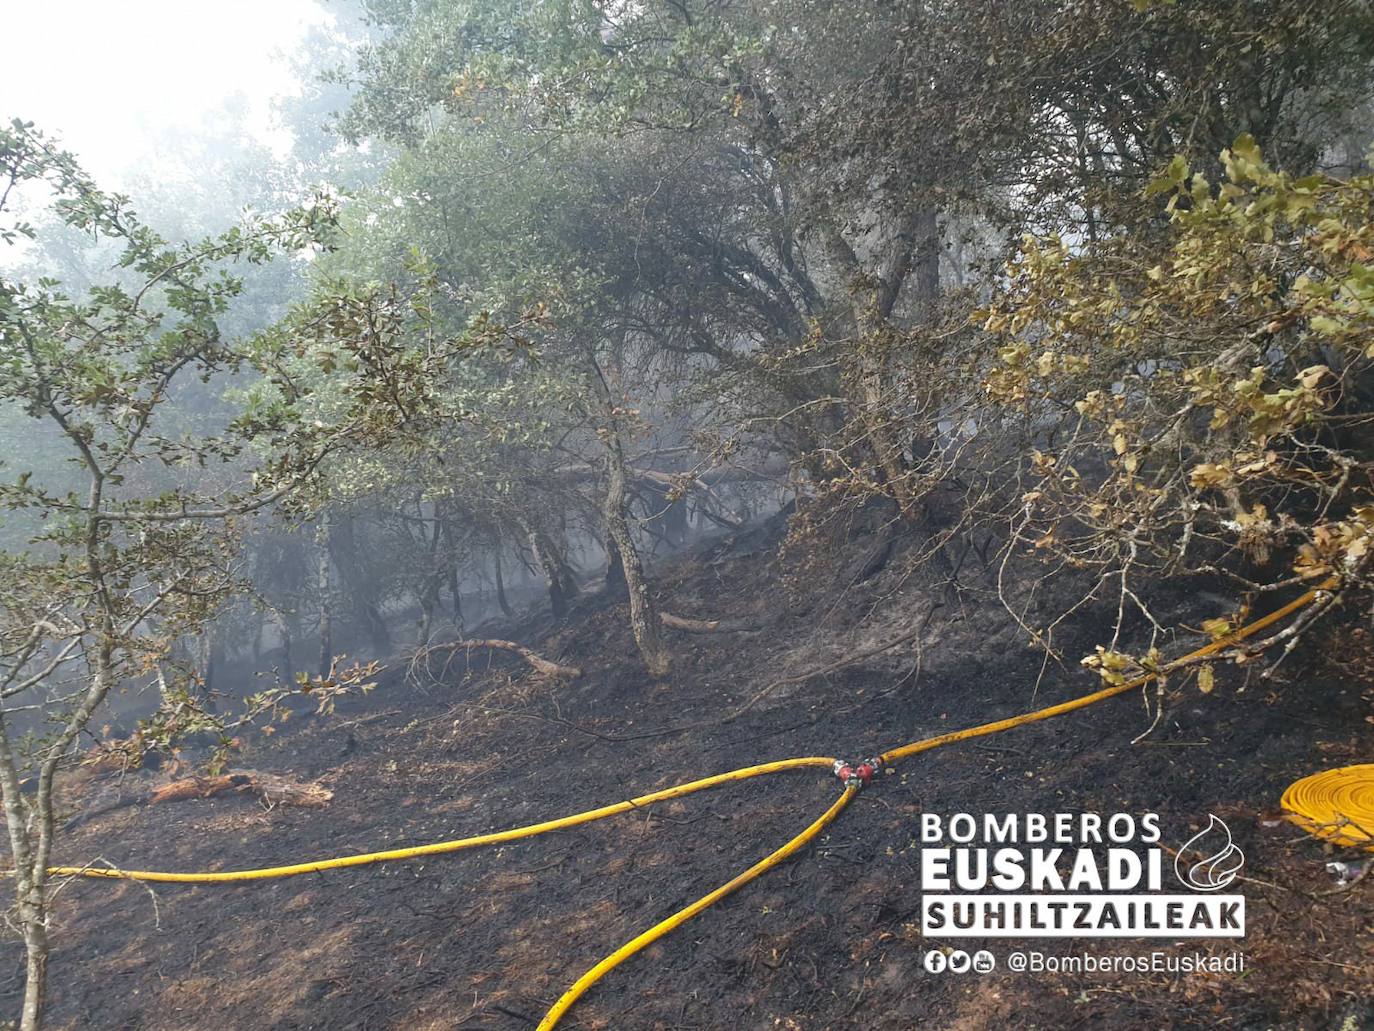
1205,683
1216,628
1312,375
1209,475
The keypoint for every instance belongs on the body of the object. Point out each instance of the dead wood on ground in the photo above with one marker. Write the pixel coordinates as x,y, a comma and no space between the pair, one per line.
541,665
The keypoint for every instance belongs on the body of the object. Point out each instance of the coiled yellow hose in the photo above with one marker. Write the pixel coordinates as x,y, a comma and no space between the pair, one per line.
1335,805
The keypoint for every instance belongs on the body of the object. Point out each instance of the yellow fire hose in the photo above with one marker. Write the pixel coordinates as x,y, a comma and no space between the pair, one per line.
656,932
439,847
1335,805
1362,797
679,918
892,755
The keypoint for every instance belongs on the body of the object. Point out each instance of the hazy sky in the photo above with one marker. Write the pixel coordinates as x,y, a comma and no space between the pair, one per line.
110,75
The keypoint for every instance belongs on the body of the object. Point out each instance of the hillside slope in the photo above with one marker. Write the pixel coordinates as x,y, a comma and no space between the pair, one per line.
489,939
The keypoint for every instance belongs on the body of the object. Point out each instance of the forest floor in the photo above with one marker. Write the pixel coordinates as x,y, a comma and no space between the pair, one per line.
488,939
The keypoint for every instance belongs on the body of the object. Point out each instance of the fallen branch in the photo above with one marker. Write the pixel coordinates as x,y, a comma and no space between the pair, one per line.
541,665
270,788
704,626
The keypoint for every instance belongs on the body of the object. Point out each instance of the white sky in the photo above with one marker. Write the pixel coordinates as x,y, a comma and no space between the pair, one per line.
107,75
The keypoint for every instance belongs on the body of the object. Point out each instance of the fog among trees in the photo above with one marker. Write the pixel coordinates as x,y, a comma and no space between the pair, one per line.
509,306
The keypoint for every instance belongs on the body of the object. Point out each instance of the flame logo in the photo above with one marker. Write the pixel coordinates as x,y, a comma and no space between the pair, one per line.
1218,869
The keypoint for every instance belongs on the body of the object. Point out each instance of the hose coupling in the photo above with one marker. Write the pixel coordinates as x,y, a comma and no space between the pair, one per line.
857,775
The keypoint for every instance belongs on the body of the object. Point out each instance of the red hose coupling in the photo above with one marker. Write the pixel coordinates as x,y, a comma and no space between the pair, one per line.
857,775
866,769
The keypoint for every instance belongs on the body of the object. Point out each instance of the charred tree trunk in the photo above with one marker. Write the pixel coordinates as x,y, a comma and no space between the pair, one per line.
288,637
675,521
455,592
566,574
454,587
558,602
500,579
926,259
361,588
434,576
556,573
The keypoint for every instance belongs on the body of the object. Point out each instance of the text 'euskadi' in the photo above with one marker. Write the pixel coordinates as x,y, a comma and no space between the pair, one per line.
1066,875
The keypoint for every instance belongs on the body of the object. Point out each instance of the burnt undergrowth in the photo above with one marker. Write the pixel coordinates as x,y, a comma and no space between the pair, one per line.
488,939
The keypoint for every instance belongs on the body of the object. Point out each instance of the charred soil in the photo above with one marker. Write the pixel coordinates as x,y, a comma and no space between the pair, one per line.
488,939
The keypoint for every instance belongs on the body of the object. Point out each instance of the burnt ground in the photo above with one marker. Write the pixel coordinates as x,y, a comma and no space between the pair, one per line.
489,939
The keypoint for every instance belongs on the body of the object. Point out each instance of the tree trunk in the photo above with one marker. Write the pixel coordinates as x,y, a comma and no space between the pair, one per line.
615,569
35,971
926,263
434,578
454,587
287,639
882,441
322,587
500,581
644,618
455,591
428,600
362,591
565,570
675,521
270,787
210,656
555,574
29,900
33,889
873,295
